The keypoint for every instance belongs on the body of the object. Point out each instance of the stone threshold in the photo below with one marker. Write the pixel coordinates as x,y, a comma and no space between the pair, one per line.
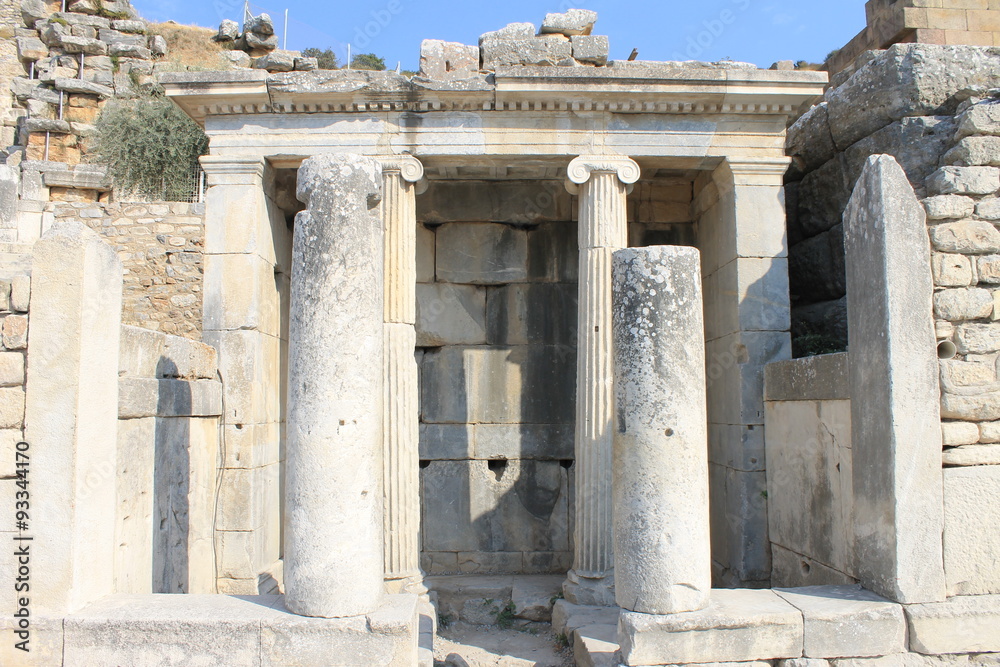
753,626
252,631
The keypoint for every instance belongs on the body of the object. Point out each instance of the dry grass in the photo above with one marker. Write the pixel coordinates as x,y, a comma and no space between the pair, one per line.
190,47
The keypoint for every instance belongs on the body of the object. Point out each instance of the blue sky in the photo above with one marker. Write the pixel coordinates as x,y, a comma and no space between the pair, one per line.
757,31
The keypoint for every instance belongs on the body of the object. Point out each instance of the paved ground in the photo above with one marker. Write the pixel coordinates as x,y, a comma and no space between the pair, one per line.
462,645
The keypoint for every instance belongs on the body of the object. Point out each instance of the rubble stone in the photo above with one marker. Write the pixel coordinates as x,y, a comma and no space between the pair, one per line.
570,23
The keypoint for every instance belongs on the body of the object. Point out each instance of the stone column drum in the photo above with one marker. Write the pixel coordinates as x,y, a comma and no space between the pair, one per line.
602,183
663,559
333,495
402,181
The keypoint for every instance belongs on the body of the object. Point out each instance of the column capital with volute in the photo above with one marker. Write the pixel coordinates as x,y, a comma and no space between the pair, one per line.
581,169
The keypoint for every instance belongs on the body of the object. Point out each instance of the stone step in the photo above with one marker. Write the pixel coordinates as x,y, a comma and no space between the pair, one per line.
496,600
596,646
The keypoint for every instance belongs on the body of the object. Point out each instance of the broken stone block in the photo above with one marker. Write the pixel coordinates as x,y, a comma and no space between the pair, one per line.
85,6
967,236
989,209
951,270
112,37
957,305
239,59
977,339
32,11
130,51
450,315
260,25
964,181
31,48
229,31
591,49
949,207
306,64
570,23
517,44
975,151
448,61
130,26
481,253
982,118
276,61
157,46
255,42
90,47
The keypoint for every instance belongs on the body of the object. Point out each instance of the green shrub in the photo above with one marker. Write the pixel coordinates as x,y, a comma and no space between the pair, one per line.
368,61
150,146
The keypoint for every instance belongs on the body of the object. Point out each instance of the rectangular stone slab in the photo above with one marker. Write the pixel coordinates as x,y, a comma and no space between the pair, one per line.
229,630
847,622
959,625
737,626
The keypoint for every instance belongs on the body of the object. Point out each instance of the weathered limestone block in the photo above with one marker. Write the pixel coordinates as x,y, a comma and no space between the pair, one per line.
955,434
525,313
11,369
501,253
916,143
958,625
660,485
134,483
129,51
450,314
497,385
31,48
447,442
737,626
975,151
971,539
972,237
11,407
964,181
111,37
257,44
989,209
524,441
982,118
905,80
276,61
333,539
10,182
306,64
516,202
448,61
972,455
32,11
823,195
572,22
83,87
949,207
229,31
591,49
956,305
977,339
504,506
553,253
808,141
157,46
131,26
73,372
262,25
542,51
847,622
952,270
817,475
890,313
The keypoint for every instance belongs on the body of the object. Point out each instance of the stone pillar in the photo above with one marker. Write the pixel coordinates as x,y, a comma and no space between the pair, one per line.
740,212
247,256
71,417
401,428
896,411
333,494
602,183
663,556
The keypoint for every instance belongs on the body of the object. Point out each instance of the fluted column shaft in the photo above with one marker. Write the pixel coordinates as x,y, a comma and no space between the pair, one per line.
603,184
401,464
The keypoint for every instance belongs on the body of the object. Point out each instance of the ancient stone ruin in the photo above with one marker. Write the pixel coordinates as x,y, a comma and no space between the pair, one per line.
526,342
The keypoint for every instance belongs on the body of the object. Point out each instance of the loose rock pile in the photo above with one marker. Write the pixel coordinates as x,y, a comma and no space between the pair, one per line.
564,40
257,46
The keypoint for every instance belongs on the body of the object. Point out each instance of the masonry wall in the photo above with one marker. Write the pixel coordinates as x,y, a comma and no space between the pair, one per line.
930,111
496,336
160,246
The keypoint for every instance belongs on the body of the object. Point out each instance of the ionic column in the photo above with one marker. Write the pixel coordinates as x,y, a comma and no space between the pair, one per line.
401,430
663,557
602,183
333,495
